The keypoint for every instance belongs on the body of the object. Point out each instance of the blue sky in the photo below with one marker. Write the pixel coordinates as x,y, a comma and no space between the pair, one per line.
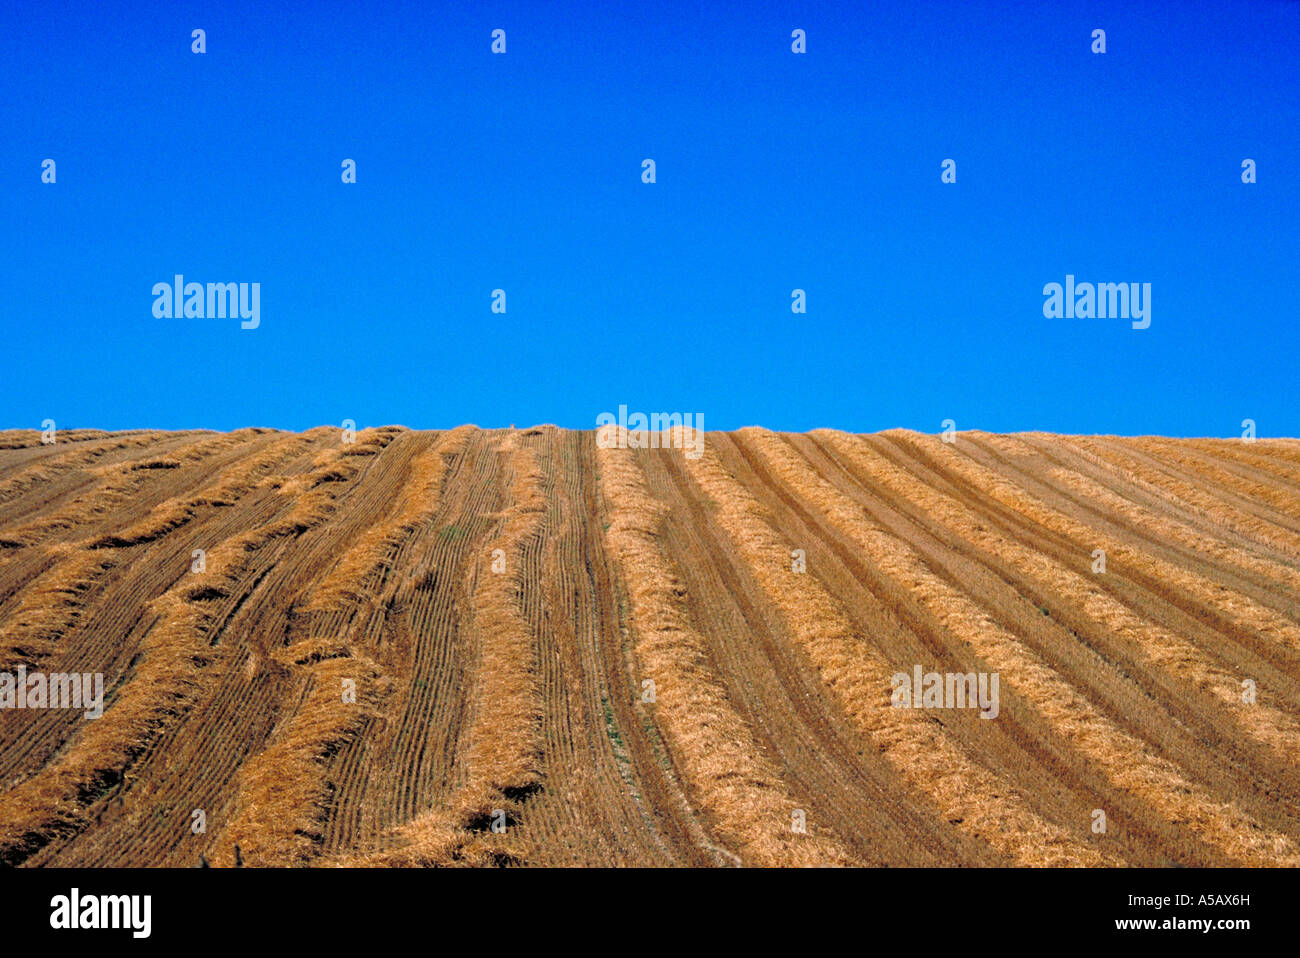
775,171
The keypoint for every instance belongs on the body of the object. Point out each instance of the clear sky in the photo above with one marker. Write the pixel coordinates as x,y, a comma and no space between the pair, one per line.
775,171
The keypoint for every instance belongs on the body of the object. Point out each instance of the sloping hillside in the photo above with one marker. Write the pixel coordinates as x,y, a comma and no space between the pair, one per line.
500,647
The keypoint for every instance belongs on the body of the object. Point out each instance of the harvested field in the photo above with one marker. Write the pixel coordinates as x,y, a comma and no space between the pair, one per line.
515,647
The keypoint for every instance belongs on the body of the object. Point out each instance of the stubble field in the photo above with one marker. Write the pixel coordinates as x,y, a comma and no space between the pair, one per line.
434,648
